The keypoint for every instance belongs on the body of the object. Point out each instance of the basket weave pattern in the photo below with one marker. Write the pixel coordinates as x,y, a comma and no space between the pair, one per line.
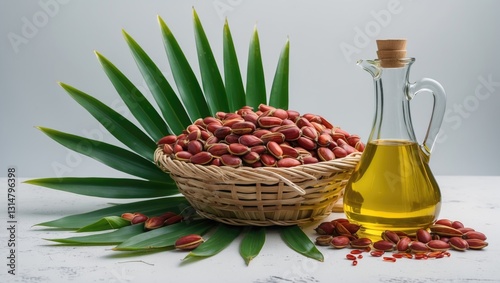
261,196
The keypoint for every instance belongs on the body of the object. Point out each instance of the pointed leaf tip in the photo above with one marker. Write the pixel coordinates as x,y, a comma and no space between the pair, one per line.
196,18
108,154
188,87
235,91
297,240
65,86
172,109
125,33
61,84
213,86
255,85
252,243
164,27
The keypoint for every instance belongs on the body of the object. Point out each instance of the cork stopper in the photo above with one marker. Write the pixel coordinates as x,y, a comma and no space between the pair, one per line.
390,51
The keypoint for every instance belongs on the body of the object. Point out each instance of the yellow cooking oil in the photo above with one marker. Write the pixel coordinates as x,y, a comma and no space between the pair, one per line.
392,188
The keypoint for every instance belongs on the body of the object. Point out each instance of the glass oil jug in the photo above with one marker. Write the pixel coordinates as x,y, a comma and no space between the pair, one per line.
392,187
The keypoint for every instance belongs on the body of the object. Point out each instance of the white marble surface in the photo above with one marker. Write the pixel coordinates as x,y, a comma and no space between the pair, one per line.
473,200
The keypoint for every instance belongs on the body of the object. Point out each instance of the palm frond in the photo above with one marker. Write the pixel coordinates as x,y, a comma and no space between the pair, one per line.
164,237
232,75
109,187
256,85
298,241
107,238
219,240
151,207
252,243
113,156
185,80
279,90
213,87
105,223
166,98
121,128
138,105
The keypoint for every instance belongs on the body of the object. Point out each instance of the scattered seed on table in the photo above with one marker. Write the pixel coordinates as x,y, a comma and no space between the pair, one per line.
389,258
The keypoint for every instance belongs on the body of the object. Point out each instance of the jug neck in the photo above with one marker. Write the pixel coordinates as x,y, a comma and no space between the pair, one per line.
392,113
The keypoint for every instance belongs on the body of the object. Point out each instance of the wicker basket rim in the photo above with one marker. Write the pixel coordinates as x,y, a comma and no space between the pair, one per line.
261,174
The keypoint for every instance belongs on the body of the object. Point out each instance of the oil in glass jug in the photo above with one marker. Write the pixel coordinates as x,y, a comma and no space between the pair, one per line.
392,187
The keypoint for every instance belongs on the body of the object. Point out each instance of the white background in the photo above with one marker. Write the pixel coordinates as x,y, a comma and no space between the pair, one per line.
454,42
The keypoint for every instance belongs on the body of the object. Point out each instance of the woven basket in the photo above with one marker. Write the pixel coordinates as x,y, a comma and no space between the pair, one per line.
261,196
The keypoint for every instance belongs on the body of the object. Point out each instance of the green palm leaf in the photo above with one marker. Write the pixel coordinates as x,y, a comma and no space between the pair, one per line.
105,223
149,207
107,238
279,90
187,84
109,187
295,238
232,75
213,87
138,105
164,237
219,240
121,128
252,243
170,105
256,85
113,156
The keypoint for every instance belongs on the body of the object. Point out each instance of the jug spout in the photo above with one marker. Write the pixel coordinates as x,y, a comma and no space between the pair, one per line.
371,66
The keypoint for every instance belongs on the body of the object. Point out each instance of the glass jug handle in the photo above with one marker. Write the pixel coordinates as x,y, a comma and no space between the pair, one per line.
438,110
